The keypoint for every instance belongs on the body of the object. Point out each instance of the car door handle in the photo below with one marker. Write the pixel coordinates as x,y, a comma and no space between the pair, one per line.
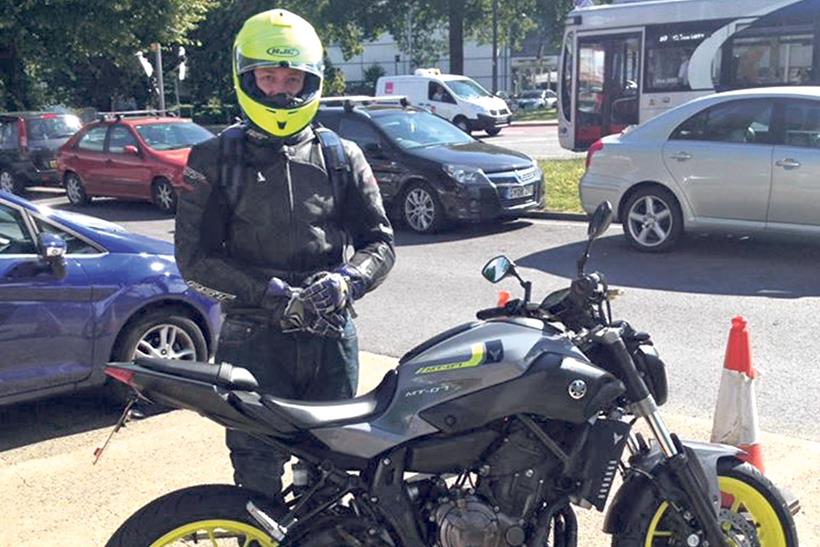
681,156
787,163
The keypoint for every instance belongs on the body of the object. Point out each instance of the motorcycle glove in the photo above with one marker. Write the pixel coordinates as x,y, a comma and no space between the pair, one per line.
327,292
276,292
300,317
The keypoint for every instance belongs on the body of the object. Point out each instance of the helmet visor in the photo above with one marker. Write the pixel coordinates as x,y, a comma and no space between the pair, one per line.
285,58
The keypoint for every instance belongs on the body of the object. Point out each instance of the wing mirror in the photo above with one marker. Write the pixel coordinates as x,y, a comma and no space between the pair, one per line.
598,224
131,150
52,250
500,267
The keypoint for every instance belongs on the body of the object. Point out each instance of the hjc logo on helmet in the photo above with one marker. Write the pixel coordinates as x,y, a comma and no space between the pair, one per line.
279,51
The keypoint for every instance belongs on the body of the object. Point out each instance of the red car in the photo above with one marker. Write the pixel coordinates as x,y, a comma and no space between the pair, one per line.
129,157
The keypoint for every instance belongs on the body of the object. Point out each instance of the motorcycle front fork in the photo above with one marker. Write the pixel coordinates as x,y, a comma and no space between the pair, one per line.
686,472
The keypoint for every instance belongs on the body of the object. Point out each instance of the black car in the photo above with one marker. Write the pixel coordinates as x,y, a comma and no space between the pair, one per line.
431,172
28,147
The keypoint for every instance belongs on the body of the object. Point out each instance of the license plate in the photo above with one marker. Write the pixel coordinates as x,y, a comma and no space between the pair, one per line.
53,164
520,191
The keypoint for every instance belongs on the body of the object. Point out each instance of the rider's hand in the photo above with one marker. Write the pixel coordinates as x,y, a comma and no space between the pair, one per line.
326,292
276,291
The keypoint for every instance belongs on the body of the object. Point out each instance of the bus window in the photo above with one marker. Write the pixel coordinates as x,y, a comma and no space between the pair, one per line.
566,81
668,50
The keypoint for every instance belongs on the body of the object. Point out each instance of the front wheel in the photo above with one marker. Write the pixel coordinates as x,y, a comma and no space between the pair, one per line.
421,209
493,131
753,514
208,515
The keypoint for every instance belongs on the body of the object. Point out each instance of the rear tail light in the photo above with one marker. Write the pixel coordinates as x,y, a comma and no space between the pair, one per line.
48,116
22,136
595,147
124,376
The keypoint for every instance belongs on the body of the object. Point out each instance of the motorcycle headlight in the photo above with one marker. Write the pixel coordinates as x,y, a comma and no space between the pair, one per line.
464,174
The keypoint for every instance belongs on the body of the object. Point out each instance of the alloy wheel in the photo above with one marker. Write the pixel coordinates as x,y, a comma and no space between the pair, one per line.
166,341
419,209
650,221
6,182
73,189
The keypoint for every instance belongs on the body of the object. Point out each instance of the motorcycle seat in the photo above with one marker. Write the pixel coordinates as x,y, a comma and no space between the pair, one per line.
224,374
311,415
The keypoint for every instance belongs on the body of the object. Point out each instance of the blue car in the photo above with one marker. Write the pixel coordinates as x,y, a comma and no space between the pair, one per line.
77,292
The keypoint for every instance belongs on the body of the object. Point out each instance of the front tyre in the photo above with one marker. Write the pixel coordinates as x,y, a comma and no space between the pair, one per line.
652,220
208,515
493,131
421,210
753,514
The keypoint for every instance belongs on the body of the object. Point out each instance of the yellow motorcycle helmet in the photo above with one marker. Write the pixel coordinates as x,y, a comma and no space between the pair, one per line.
278,38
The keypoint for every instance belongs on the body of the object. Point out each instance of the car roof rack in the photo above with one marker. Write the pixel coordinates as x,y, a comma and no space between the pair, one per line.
118,115
351,101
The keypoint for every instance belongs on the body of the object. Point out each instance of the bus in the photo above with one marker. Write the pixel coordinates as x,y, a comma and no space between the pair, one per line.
622,64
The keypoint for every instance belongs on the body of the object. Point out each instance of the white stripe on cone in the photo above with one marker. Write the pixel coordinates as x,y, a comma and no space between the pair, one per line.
735,420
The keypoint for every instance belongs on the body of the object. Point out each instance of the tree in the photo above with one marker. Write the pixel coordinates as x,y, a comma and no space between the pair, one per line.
82,51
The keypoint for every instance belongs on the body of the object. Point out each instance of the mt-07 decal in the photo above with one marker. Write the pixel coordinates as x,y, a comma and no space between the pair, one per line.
482,353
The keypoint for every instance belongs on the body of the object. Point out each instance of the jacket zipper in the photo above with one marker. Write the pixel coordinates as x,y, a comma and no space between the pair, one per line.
291,213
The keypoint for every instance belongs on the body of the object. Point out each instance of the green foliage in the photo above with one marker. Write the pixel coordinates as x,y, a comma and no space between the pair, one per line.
561,178
334,82
371,76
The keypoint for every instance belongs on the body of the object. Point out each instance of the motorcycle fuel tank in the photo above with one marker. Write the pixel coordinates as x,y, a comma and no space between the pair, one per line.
461,361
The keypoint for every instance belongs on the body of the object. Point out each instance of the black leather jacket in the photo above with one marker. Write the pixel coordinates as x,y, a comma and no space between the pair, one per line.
277,216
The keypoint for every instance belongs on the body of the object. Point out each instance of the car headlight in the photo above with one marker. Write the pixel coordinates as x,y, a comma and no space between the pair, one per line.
464,174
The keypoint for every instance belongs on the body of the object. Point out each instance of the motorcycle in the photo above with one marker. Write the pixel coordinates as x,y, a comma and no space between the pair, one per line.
486,435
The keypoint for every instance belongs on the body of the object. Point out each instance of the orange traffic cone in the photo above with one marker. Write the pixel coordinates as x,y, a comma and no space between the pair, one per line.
735,421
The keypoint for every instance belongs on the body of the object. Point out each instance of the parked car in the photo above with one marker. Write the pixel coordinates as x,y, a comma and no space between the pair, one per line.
739,161
28,144
430,172
533,99
77,292
454,97
512,104
139,157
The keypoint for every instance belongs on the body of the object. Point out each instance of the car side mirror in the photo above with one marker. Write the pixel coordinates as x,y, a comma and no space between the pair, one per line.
131,150
374,149
52,250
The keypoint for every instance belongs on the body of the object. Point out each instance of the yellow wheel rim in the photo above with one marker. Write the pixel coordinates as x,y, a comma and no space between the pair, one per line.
216,533
742,499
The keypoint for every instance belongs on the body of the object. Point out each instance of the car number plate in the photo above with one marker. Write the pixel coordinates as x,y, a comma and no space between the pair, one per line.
520,191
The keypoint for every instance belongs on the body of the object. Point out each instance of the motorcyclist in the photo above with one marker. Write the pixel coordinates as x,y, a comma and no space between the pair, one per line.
265,226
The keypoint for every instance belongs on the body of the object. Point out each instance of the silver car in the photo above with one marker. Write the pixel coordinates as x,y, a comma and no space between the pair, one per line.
741,161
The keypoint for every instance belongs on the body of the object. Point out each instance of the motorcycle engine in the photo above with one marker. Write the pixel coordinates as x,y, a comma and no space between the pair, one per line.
469,522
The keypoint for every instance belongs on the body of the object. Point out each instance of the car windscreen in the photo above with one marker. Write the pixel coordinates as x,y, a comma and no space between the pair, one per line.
172,136
416,129
467,89
52,126
531,95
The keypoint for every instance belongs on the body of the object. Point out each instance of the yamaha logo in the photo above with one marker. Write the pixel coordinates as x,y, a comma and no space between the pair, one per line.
577,389
278,51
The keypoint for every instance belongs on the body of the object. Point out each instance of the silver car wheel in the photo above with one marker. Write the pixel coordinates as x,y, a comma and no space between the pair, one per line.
73,190
6,182
650,221
419,209
166,342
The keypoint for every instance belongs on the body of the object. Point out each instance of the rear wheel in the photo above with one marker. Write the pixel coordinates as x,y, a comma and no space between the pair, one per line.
75,190
164,196
162,334
753,514
213,515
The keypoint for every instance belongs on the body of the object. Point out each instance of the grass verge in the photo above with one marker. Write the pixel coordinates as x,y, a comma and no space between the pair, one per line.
532,115
562,178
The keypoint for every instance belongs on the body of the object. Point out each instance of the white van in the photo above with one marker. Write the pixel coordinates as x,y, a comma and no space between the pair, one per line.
458,99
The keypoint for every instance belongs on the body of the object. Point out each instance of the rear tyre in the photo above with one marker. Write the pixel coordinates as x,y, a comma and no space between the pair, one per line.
421,210
9,183
164,196
652,220
163,334
753,512
207,514
461,123
75,190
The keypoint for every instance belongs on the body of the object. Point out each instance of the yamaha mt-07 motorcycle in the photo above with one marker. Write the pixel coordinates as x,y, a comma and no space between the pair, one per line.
484,436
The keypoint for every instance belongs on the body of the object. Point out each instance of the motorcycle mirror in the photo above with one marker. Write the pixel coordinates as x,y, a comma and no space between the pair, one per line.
598,224
497,269
600,221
